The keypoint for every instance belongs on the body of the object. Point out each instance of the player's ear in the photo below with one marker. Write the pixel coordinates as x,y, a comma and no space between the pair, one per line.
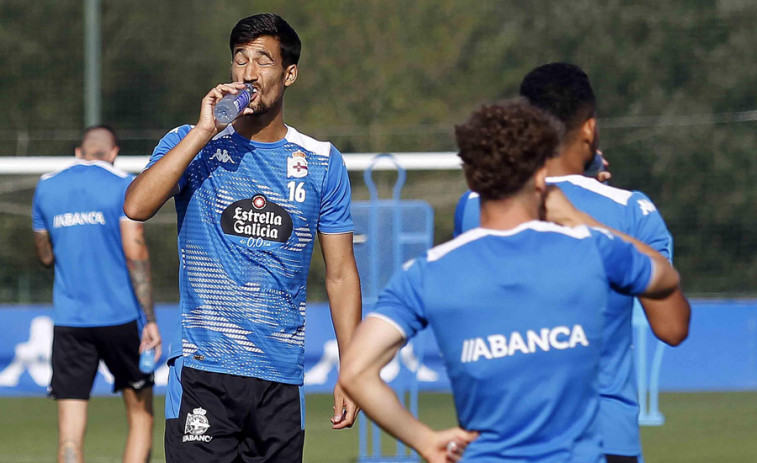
113,153
290,75
540,179
588,130
78,152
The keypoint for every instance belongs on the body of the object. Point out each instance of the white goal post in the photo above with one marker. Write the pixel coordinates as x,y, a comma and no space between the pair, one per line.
29,165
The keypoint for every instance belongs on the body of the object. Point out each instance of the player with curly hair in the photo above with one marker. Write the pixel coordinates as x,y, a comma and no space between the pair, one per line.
515,306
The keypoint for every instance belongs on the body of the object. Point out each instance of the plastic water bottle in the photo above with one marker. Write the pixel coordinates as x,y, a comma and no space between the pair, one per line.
147,361
231,105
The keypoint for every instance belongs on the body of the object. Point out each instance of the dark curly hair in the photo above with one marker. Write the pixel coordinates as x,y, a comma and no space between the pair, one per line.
502,145
563,90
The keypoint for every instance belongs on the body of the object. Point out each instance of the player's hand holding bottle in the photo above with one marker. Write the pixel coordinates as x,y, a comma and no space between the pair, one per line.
207,120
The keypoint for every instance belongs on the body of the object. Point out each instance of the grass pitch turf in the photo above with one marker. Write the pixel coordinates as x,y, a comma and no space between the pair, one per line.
700,428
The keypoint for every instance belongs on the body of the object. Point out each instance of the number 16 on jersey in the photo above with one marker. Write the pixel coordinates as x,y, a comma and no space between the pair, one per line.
296,191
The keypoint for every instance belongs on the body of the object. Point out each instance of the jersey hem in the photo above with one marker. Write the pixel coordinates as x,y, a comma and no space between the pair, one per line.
198,366
337,231
388,320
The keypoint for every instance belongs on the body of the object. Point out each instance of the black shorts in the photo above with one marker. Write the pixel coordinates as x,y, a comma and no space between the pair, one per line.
621,459
77,353
226,418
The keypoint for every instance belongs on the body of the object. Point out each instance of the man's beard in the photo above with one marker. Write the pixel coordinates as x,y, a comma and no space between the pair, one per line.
259,109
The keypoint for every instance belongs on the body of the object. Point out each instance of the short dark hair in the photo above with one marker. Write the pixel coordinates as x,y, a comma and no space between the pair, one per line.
100,127
502,145
562,89
272,25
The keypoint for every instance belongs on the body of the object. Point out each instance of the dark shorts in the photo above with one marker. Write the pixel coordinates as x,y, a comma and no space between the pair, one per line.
77,353
225,418
621,459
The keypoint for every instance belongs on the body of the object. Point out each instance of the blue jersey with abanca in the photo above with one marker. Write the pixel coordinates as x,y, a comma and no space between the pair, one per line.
81,207
632,213
248,214
517,315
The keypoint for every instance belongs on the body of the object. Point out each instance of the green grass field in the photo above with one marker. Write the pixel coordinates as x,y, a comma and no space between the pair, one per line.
700,428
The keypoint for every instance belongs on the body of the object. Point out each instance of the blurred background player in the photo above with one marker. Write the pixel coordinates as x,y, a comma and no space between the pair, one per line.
102,279
564,90
250,197
516,307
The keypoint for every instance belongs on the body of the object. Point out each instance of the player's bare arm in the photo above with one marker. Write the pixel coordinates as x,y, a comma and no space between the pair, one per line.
152,188
343,290
374,345
668,317
138,263
44,248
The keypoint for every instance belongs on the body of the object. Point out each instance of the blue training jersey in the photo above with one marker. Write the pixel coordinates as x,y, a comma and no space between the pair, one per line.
248,213
81,207
632,213
517,315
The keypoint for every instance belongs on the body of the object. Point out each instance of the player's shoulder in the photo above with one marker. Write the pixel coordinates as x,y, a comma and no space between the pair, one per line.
45,178
643,202
310,144
170,140
591,185
180,131
467,196
549,233
440,251
96,168
541,228
112,171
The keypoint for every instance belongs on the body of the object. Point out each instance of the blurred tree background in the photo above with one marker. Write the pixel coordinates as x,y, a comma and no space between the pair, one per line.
674,80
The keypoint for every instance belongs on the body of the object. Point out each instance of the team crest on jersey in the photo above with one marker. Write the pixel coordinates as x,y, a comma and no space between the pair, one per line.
297,165
196,426
257,222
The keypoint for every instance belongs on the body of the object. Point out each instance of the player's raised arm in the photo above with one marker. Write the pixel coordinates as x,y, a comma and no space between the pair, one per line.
664,303
343,290
668,317
152,188
665,278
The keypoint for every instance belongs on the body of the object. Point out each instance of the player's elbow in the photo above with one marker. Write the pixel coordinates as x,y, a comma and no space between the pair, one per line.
350,378
674,335
347,379
135,211
136,203
675,331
